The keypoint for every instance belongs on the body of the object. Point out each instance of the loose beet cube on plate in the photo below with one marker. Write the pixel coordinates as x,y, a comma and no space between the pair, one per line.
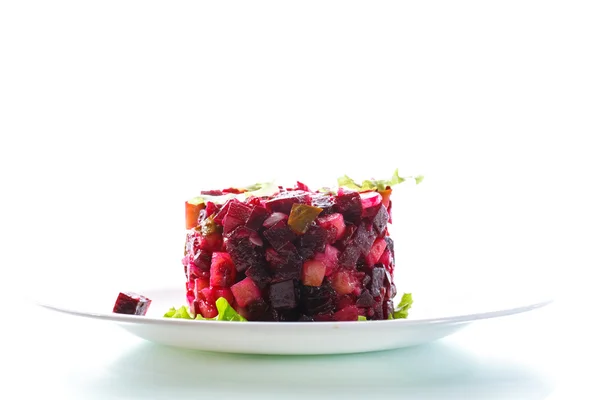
131,303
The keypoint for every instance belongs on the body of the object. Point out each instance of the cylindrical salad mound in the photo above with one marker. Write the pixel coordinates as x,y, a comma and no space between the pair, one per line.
269,253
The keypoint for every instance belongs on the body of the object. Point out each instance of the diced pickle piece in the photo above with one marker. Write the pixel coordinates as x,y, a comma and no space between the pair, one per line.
301,216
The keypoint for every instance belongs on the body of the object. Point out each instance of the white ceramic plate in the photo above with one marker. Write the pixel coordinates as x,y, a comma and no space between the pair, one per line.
431,318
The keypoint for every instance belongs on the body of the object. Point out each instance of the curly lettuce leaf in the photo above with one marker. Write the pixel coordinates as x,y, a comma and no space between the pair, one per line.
379,185
181,313
405,304
362,318
226,313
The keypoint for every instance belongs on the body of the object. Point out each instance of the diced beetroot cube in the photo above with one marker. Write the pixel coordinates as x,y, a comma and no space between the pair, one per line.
345,301
285,263
202,260
192,211
313,272
386,257
279,235
196,272
390,245
324,201
241,248
191,297
199,285
377,281
365,299
208,310
317,299
239,211
350,255
370,199
222,212
131,303
349,205
313,241
211,208
283,202
329,258
379,246
274,219
333,223
344,282
212,242
230,223
364,238
208,294
212,192
222,270
205,304
349,313
380,222
246,292
258,311
258,215
283,295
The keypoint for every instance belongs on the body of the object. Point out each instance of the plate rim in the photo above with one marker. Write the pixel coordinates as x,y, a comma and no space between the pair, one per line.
452,319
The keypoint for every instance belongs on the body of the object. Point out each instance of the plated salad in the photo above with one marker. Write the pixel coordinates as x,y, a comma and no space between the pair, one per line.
269,253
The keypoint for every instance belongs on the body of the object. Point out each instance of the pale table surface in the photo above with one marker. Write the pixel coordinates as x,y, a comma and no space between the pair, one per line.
517,357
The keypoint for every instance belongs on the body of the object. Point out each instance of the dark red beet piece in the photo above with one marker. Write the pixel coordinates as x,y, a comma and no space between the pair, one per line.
259,311
242,248
131,303
365,299
313,241
258,215
390,245
222,212
364,238
283,295
239,211
350,255
202,260
349,205
284,201
211,208
377,280
317,299
279,235
323,201
230,223
285,263
380,221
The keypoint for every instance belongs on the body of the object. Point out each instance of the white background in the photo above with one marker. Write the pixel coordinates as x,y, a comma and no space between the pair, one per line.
113,113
